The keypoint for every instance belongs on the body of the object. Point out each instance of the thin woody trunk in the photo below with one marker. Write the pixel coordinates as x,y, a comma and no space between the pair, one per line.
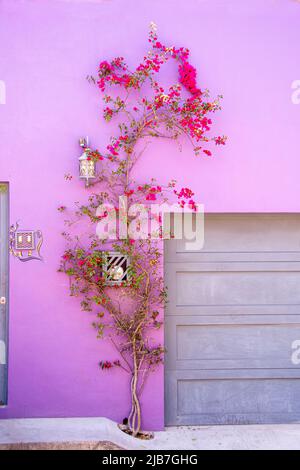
135,414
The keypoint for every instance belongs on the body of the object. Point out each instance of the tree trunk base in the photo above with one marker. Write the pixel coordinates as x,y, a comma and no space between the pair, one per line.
144,435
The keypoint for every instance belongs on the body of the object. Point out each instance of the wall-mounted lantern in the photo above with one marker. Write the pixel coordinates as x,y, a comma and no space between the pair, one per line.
116,268
24,242
87,166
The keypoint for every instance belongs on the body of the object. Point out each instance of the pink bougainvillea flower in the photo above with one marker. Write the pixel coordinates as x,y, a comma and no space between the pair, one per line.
186,193
220,140
151,197
129,192
187,77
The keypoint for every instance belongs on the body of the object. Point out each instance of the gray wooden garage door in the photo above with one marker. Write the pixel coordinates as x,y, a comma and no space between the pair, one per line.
233,314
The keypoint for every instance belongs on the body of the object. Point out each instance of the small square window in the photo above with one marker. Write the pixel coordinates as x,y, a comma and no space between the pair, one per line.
116,268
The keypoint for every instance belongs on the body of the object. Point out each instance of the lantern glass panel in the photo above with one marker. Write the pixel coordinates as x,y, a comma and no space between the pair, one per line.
87,169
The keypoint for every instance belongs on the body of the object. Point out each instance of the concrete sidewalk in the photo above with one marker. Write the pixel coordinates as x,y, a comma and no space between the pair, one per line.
50,430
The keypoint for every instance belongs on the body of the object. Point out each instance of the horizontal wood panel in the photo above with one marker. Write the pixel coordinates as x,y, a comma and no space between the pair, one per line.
239,401
237,288
244,237
264,346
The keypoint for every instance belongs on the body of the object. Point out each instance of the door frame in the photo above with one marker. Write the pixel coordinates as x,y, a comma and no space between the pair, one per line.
5,293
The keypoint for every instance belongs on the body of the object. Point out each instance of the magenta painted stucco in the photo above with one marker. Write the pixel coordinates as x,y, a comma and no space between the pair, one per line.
246,50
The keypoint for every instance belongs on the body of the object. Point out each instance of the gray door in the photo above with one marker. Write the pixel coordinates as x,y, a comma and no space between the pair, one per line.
3,290
232,316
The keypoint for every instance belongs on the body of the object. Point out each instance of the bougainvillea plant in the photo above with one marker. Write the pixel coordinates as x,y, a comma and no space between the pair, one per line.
130,312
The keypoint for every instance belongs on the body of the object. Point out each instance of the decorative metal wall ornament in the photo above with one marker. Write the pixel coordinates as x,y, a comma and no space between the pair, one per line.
23,243
87,166
116,268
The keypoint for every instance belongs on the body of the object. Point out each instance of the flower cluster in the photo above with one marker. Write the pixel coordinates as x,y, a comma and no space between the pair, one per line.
108,365
187,77
165,108
185,198
94,155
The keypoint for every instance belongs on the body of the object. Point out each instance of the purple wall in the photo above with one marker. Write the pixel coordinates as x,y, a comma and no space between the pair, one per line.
246,50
